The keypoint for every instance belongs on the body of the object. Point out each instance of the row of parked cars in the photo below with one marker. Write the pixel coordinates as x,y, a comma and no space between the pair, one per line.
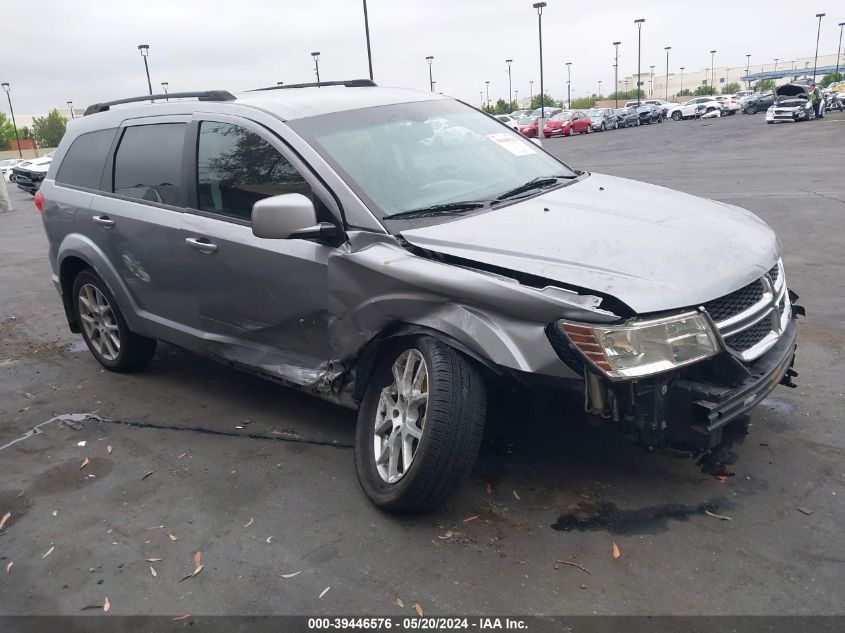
26,174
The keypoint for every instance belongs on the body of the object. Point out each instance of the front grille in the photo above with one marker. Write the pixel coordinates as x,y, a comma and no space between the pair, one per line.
734,303
774,274
749,338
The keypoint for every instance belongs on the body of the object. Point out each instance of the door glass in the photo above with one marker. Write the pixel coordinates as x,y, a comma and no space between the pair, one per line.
148,163
236,168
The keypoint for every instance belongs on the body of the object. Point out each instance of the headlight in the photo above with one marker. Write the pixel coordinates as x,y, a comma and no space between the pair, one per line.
644,347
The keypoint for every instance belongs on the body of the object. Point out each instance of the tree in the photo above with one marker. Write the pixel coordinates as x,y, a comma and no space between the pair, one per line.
626,95
7,131
684,93
501,107
701,91
548,101
731,88
49,130
830,78
582,103
764,85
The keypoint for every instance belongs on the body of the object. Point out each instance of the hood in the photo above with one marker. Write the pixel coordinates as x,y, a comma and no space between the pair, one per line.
792,90
652,248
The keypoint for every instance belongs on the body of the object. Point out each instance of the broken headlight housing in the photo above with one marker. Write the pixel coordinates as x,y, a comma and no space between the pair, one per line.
643,347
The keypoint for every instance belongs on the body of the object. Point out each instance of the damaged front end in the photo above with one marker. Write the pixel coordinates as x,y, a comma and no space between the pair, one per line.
690,408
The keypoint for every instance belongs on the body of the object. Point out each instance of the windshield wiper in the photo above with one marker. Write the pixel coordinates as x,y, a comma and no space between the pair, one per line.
448,208
540,182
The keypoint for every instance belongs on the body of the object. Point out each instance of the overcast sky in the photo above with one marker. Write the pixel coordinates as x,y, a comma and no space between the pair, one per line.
86,50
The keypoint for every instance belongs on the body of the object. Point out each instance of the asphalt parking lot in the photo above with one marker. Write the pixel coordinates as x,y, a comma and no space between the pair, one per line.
192,456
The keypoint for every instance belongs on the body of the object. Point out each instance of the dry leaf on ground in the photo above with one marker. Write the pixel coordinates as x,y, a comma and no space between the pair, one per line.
5,519
399,603
109,449
147,475
153,560
324,592
106,605
717,516
470,518
296,573
516,496
418,608
616,552
85,463
197,558
9,566
250,522
153,572
47,553
172,537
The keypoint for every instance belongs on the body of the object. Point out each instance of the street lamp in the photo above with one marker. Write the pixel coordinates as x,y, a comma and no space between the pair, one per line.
818,33
481,97
516,98
639,24
681,89
430,59
839,48
712,58
145,50
747,70
5,86
599,95
667,49
776,63
164,86
616,72
568,84
70,107
651,82
280,83
510,89
367,32
316,56
539,6
487,84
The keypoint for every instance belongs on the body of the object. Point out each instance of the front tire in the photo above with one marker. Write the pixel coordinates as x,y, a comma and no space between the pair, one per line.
676,116
423,413
104,329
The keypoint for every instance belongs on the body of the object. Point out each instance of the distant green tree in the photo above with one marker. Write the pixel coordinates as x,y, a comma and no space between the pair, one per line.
548,100
501,107
626,95
729,89
684,93
830,78
7,131
701,91
24,133
764,85
49,130
582,103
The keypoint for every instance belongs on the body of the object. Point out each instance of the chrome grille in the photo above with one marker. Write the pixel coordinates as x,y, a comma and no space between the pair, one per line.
752,318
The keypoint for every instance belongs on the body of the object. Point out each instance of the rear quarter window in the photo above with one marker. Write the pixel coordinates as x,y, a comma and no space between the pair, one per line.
83,163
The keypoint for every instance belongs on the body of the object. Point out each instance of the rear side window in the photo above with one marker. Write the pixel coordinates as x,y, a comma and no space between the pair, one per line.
83,163
236,168
148,163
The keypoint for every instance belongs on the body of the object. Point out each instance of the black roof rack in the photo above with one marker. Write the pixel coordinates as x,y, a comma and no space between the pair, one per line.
205,95
349,83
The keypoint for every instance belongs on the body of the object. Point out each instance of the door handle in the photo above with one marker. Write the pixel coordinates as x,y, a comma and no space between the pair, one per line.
201,244
103,220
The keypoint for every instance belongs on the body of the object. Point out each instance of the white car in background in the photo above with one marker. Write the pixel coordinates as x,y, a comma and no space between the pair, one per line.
688,110
6,167
508,120
729,103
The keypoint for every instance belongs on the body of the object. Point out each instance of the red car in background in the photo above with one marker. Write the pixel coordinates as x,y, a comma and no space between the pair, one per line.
528,127
568,122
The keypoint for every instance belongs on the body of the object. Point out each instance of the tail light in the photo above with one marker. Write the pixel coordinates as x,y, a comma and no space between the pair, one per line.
39,201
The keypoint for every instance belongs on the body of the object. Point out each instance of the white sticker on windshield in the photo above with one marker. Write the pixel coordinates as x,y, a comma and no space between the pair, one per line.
514,145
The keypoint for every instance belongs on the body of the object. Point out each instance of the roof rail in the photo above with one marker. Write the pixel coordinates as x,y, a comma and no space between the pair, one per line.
349,83
205,95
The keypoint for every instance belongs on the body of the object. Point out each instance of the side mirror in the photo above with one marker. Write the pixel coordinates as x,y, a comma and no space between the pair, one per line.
289,216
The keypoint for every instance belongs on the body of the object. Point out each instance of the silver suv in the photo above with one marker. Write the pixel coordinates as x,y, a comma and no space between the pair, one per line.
400,252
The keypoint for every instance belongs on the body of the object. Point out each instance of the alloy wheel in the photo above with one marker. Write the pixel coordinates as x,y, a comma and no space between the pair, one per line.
99,322
400,416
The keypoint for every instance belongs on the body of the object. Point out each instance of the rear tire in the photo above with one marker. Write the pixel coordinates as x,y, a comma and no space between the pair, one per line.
676,116
104,329
440,415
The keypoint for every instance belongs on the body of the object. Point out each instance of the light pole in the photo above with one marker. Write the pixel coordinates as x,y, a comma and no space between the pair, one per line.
516,98
747,71
777,59
651,82
599,94
639,24
316,56
616,72
626,89
367,33
818,33
681,89
539,6
569,84
712,59
481,98
487,85
145,50
531,95
667,49
839,48
70,107
430,59
164,86
510,87
5,86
